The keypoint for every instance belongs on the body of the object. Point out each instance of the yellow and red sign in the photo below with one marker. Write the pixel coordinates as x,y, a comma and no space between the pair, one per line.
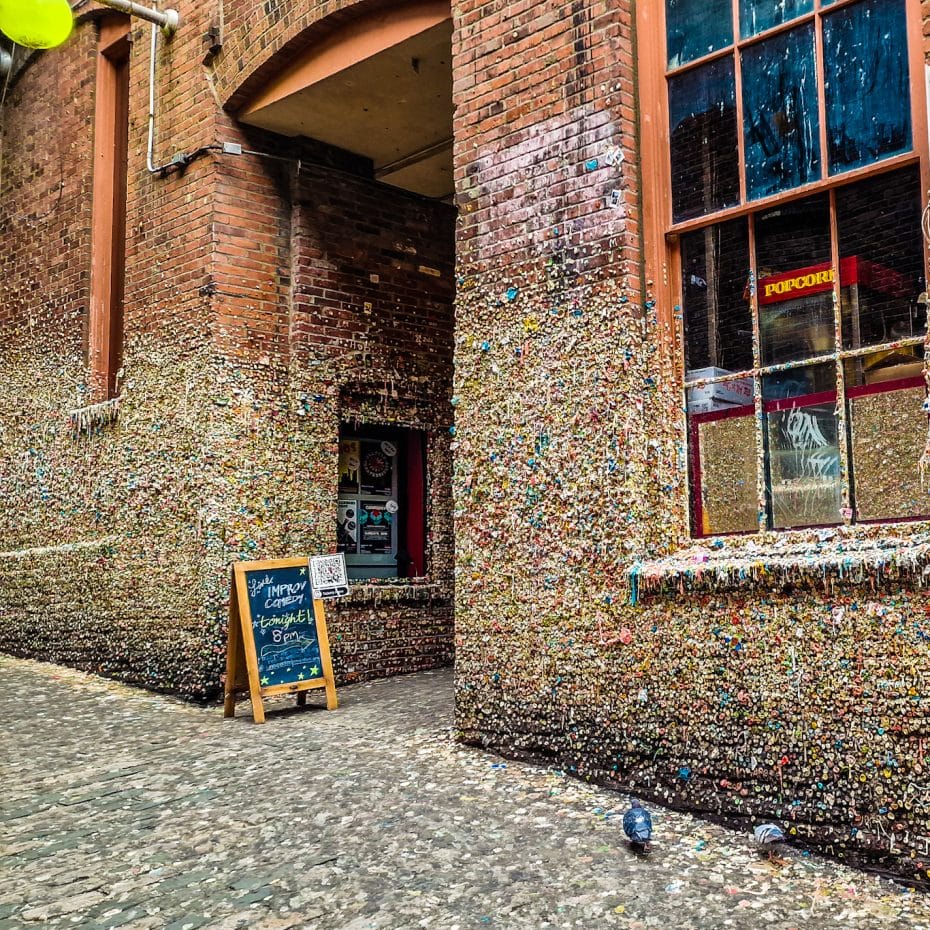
816,279
796,283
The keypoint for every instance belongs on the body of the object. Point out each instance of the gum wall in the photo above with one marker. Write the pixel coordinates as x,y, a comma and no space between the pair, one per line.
750,679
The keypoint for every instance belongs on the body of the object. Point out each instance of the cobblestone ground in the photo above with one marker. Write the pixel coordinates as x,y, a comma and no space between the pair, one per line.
125,809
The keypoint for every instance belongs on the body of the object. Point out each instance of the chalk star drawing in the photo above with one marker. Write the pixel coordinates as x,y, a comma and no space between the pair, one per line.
265,681
314,670
301,676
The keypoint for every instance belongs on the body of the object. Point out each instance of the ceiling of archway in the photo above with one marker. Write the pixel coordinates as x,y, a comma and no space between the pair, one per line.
393,106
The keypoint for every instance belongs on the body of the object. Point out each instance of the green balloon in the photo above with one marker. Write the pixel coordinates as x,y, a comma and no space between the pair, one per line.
36,23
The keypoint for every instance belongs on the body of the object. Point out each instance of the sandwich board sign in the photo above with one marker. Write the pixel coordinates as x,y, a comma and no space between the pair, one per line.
278,643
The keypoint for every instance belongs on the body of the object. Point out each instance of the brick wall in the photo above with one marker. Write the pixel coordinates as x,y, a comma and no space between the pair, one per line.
371,326
557,368
302,353
539,97
292,274
744,697
566,459
45,219
121,535
373,282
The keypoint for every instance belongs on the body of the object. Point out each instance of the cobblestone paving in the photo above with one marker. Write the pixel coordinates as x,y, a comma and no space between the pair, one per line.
122,809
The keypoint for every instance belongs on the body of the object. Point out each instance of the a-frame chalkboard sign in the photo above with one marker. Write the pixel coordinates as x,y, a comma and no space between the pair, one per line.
277,636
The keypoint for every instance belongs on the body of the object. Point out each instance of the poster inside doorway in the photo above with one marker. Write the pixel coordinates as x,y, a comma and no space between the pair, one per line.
375,528
349,463
377,465
347,527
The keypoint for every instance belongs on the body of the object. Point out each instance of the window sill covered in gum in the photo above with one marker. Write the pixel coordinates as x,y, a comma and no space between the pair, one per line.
393,591
830,556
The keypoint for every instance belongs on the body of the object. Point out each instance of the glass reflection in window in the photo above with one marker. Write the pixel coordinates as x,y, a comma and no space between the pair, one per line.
756,16
803,449
780,123
705,161
718,319
695,28
882,261
866,83
795,281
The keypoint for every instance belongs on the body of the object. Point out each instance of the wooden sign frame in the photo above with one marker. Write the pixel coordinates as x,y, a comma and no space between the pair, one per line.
242,670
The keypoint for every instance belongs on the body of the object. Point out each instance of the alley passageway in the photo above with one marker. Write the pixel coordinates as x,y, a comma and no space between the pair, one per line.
127,809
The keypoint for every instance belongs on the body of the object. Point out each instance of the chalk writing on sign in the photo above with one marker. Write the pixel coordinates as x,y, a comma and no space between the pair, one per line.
287,643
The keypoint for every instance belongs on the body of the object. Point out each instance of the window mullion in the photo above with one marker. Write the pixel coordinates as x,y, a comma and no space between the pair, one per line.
846,509
761,458
808,362
805,190
761,469
920,105
738,80
820,65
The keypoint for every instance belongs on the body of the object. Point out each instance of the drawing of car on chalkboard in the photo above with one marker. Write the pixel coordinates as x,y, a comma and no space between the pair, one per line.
297,650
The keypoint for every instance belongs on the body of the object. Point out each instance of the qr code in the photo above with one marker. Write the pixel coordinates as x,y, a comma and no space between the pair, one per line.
328,571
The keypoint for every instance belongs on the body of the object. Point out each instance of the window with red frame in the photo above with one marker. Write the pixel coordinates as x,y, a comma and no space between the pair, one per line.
796,179
381,519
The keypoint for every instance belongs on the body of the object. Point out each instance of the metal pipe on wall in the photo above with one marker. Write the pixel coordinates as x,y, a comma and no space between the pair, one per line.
167,20
150,150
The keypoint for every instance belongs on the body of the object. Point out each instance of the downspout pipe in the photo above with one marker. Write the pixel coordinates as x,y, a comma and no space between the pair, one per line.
150,150
167,21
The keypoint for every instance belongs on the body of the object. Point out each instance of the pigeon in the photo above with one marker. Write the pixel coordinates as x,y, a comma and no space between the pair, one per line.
637,824
768,835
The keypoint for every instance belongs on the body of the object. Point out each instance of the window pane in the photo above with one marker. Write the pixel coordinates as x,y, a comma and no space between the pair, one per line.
795,287
705,162
884,366
696,27
889,432
866,83
781,127
718,321
724,479
882,262
367,527
803,452
797,383
756,16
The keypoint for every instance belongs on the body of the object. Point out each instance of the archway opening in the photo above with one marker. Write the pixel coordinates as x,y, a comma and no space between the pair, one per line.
381,88
372,284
